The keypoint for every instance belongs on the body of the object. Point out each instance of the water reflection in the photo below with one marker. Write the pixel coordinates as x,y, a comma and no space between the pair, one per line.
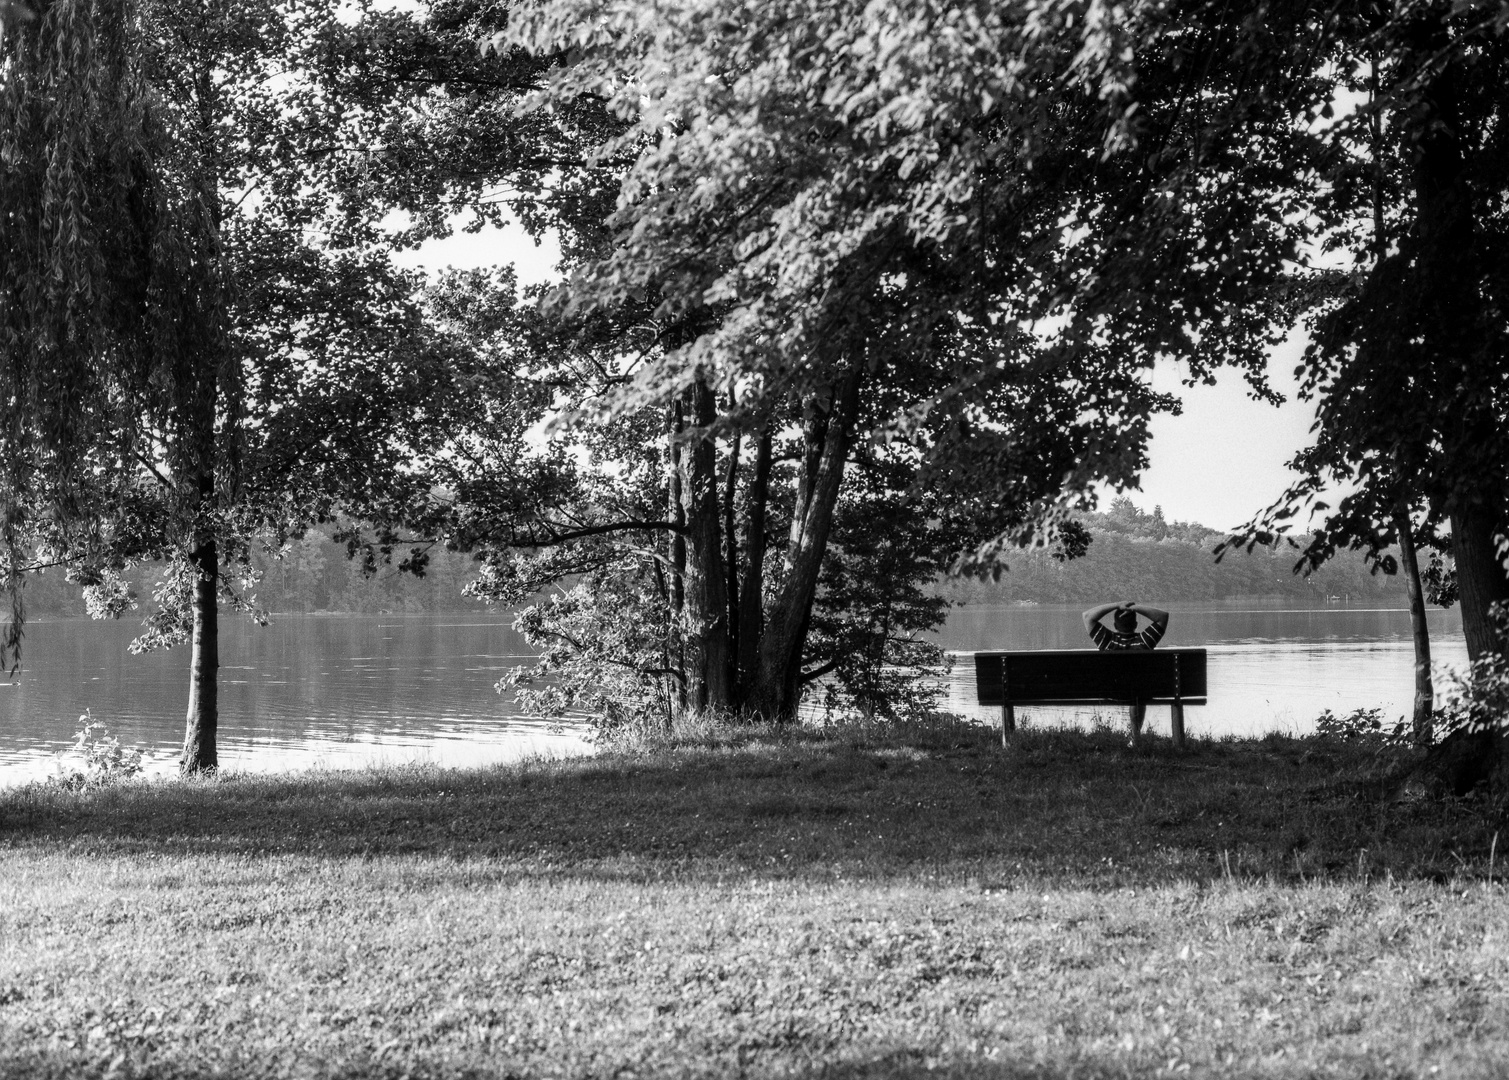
305,691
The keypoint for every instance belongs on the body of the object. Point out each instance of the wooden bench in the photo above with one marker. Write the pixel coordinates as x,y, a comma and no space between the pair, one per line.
1135,677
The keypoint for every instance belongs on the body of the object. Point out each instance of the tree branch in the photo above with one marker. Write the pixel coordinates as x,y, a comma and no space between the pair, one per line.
614,527
819,671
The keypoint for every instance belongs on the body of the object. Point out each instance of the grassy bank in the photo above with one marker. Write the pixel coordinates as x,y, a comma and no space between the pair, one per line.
840,907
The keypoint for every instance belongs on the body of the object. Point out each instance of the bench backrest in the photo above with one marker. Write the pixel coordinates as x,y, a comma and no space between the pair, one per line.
1085,676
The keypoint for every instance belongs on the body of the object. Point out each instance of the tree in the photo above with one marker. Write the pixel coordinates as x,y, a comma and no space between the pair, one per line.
1422,325
1020,239
1380,512
1407,350
268,367
944,229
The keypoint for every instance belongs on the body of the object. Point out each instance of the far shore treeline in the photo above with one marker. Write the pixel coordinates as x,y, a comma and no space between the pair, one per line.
313,576
1138,555
1133,553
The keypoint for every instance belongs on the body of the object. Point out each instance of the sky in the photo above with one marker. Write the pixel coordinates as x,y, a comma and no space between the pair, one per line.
1220,463
1223,460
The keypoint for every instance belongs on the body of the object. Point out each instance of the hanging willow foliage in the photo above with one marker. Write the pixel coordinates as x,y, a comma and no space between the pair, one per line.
103,282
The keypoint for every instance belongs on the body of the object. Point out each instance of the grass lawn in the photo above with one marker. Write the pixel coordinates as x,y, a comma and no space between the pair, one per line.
841,907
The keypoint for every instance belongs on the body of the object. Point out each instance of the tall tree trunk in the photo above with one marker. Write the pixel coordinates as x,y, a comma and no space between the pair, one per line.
1480,577
675,424
775,694
752,591
706,596
731,563
215,365
200,754
1425,697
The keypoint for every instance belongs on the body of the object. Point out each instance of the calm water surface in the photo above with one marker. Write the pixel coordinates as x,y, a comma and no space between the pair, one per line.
1270,668
305,691
337,691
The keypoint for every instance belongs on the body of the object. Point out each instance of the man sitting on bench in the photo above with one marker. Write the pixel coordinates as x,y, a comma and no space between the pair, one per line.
1123,633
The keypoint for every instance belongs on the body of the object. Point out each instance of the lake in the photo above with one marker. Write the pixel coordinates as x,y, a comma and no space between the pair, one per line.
344,690
304,691
1270,668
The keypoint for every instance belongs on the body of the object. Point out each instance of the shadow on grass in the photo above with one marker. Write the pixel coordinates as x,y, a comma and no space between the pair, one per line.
67,1066
1069,806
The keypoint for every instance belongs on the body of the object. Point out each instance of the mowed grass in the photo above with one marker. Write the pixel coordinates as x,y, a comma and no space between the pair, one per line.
850,906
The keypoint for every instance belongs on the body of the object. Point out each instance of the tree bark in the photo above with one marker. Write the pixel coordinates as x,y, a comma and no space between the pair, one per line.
731,563
675,423
775,695
1425,696
752,591
1480,576
200,754
706,596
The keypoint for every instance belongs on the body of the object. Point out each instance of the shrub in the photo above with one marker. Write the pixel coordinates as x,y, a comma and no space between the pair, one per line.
97,758
1477,700
1362,726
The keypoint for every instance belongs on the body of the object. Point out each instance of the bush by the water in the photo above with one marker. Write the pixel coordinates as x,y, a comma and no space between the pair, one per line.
1477,700
96,759
1362,725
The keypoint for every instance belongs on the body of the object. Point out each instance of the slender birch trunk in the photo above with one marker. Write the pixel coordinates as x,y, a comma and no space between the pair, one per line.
1425,697
200,753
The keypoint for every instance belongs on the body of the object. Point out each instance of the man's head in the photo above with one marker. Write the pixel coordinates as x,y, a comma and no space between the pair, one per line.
1125,619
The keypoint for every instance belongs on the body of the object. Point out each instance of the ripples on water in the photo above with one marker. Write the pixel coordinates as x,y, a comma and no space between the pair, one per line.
306,691
337,691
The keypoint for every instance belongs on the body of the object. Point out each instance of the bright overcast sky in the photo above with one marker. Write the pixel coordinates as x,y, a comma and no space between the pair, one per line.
1219,463
1224,458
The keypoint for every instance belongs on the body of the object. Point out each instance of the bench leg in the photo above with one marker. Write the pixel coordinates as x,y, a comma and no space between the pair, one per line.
1176,723
1139,714
1008,722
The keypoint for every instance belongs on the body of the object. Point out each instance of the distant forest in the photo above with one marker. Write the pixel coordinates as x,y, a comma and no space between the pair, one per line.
1136,555
313,576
